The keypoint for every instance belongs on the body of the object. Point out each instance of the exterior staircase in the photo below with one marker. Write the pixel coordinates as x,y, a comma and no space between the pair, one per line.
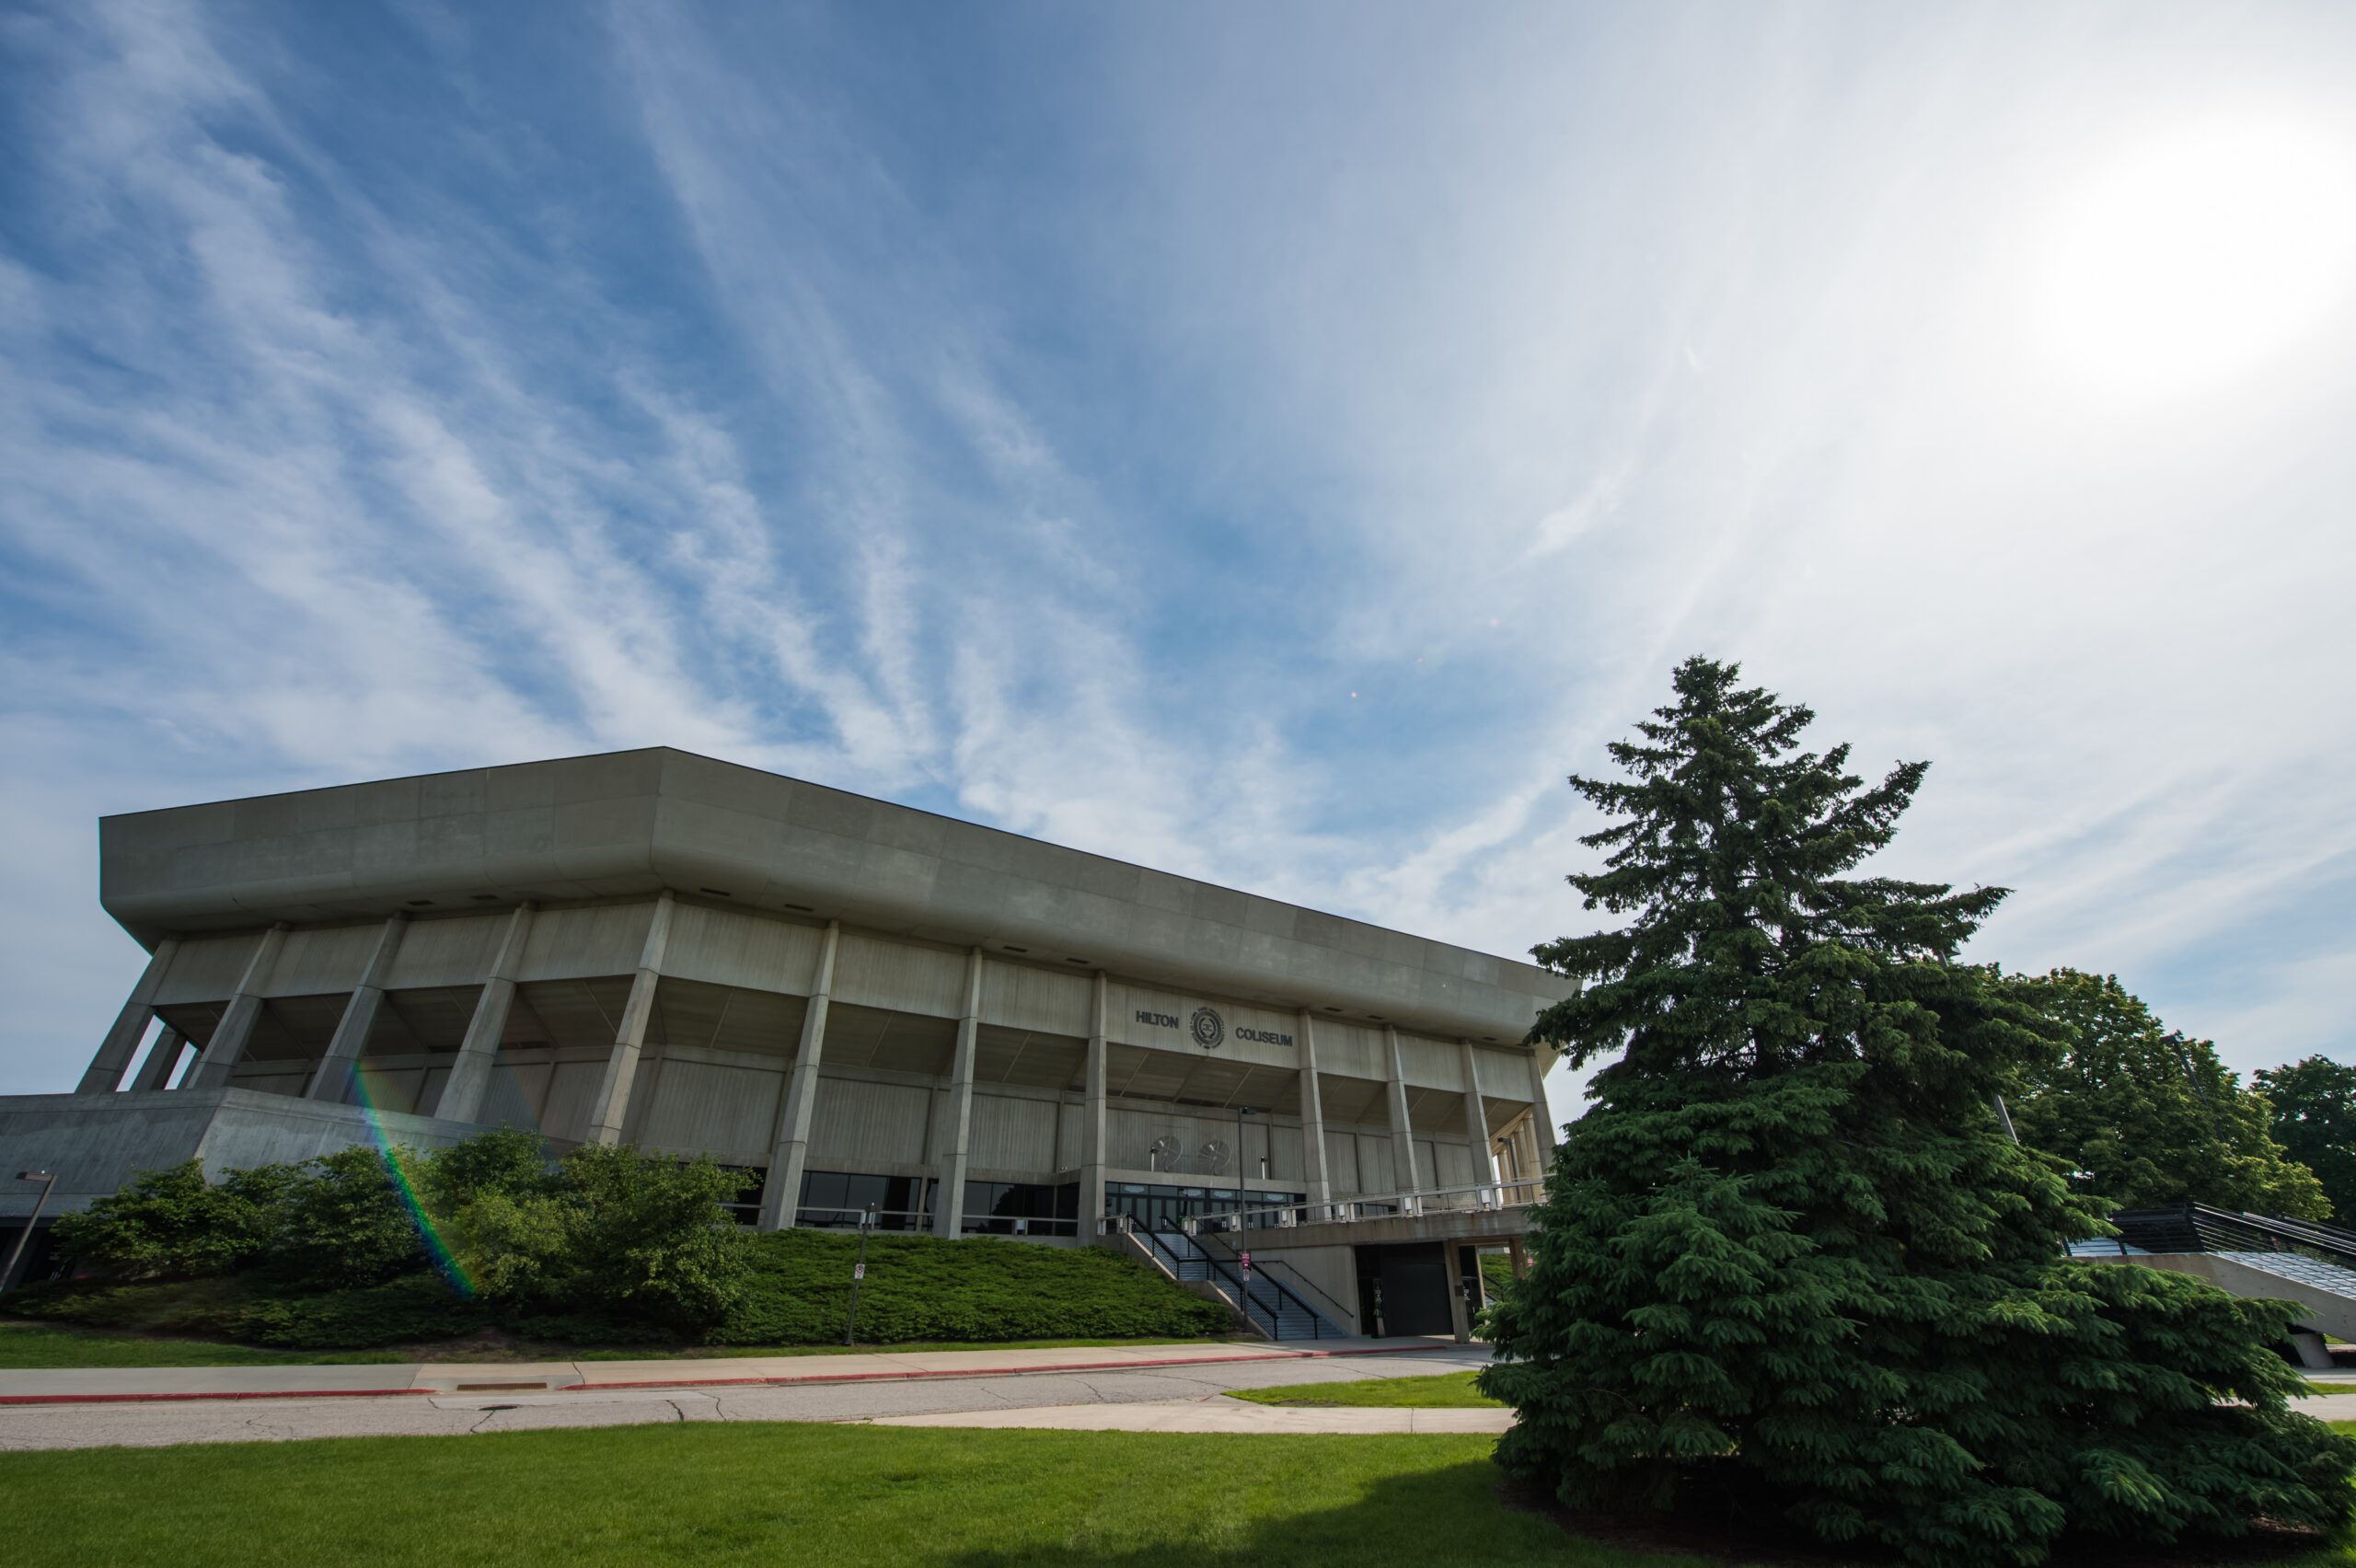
1272,1310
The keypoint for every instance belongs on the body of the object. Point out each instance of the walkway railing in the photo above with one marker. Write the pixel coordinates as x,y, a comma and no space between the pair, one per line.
1483,1198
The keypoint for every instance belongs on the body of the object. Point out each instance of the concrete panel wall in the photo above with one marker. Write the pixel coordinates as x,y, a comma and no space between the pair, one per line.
900,977
859,1124
1348,1050
1013,1136
1019,997
282,1077
725,1107
453,951
1342,1162
321,960
581,943
206,969
1429,1063
754,952
572,1086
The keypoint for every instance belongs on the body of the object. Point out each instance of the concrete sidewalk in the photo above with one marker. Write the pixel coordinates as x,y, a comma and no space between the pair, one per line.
1220,1414
137,1384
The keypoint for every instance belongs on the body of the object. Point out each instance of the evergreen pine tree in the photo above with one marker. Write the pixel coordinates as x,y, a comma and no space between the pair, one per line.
2152,1117
1791,1262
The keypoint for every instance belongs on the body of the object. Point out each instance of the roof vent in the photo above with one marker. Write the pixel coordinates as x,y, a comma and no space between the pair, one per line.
1081,962
1011,948
803,907
716,892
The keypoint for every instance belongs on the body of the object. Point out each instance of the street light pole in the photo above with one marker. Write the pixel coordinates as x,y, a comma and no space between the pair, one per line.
47,1179
858,1271
1242,1182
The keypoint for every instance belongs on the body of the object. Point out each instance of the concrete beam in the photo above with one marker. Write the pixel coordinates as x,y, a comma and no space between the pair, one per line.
333,1078
1312,1117
469,1079
1091,1117
1542,1123
156,1071
957,1122
781,1194
1403,1132
122,1043
612,1104
237,1027
1476,1118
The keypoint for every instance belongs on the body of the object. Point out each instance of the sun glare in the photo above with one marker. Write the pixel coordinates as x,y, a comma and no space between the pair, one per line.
2203,253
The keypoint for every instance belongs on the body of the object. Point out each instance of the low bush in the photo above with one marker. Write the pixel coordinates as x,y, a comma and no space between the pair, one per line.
607,1246
920,1288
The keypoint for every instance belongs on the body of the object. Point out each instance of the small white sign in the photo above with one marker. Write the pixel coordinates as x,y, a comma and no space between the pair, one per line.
859,1271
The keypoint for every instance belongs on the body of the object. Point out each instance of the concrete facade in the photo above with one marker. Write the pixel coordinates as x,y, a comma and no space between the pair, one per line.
855,1001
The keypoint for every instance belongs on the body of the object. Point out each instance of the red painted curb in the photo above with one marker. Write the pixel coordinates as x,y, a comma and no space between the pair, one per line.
722,1382
224,1394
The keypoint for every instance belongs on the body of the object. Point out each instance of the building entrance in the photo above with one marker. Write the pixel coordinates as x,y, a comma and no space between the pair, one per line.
1149,1206
1404,1290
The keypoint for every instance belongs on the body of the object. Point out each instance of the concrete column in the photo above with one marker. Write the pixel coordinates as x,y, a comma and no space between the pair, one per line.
228,1042
1542,1129
1092,1118
1460,1315
343,1055
469,1079
122,1042
1402,1135
781,1193
957,1121
156,1071
1312,1117
612,1104
1476,1122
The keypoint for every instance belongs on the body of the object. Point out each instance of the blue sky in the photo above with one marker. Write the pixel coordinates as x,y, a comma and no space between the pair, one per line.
1277,443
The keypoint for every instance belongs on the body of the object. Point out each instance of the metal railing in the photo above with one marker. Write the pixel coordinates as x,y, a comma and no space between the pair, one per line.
1340,1313
2196,1227
1484,1197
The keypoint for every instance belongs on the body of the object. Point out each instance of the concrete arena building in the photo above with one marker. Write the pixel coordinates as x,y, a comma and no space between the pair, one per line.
860,1004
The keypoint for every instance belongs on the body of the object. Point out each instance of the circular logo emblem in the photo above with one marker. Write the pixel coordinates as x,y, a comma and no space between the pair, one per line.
1208,1028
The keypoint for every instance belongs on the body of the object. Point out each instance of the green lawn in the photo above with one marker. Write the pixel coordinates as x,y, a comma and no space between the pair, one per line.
26,1345
1447,1391
845,1497
757,1493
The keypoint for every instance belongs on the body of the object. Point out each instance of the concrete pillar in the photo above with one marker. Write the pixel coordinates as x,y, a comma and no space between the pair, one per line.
957,1121
1402,1135
1459,1314
469,1079
781,1193
237,1027
1542,1129
156,1071
1312,1117
605,1112
1092,1117
1477,1123
122,1042
343,1054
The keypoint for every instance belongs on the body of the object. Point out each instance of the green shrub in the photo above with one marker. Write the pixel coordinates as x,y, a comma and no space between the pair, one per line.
414,1306
649,1237
920,1288
171,1225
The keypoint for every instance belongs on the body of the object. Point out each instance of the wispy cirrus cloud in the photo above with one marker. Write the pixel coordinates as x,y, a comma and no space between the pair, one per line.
1276,449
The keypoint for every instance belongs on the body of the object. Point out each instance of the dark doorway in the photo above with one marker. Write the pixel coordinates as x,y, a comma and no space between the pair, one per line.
1404,1290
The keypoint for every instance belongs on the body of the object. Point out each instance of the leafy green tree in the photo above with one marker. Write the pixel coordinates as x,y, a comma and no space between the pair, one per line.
651,1236
2150,1117
350,1220
1790,1259
2314,1103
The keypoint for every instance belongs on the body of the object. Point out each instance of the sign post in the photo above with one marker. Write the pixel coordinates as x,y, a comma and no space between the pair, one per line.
859,1273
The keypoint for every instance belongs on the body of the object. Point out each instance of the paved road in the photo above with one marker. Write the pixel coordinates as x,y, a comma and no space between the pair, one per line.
211,1421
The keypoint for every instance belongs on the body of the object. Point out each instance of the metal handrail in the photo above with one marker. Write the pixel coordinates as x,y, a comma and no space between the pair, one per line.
1491,1196
1280,1285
